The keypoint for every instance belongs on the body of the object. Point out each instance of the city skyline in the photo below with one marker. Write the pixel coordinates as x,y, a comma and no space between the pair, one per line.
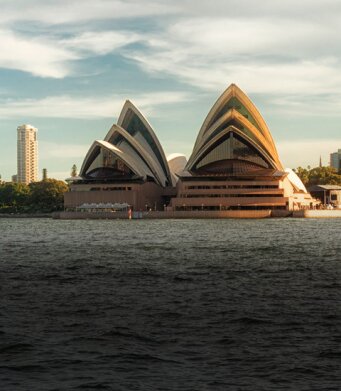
67,72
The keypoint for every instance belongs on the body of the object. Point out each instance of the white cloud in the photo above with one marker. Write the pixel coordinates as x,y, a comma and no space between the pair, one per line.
229,37
264,47
86,107
73,11
253,76
281,56
100,43
53,56
37,56
310,106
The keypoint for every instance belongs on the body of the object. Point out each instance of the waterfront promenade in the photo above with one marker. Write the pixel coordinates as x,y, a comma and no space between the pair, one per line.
226,214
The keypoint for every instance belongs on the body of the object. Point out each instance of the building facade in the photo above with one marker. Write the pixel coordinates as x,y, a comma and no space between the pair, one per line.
234,165
327,194
27,154
128,166
335,160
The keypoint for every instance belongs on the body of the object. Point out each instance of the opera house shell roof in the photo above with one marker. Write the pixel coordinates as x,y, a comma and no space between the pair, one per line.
233,144
234,138
130,150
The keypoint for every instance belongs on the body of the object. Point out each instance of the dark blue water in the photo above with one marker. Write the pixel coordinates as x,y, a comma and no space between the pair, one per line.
170,305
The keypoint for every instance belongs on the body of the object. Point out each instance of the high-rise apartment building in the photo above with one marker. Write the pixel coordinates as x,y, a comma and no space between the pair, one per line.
335,160
27,154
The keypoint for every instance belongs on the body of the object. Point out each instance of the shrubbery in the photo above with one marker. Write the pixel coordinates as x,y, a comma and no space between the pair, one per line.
318,176
38,197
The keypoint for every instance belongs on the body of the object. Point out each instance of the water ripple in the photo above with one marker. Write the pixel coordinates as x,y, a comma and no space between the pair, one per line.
170,305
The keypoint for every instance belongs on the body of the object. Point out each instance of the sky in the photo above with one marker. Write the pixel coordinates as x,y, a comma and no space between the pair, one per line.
67,66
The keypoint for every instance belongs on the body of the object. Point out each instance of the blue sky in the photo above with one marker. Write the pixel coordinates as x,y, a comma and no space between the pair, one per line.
67,67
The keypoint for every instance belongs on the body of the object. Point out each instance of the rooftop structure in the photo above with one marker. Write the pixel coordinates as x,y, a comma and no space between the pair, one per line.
328,194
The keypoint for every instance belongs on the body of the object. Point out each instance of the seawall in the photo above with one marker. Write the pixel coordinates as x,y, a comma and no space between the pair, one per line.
224,214
25,215
318,213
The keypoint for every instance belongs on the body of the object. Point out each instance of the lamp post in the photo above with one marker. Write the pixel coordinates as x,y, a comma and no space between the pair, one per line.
324,197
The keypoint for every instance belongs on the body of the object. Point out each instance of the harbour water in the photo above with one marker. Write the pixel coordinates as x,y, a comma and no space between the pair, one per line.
170,304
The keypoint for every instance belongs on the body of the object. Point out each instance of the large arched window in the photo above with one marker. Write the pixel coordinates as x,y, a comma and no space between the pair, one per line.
106,165
232,147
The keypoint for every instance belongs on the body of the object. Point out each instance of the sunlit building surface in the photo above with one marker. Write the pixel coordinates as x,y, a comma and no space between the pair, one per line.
234,165
128,166
327,194
335,160
27,154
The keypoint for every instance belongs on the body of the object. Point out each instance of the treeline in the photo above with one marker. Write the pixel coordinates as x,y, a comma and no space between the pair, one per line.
37,197
318,176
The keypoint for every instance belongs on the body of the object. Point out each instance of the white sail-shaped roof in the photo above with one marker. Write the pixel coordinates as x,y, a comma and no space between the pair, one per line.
177,163
295,180
132,120
130,160
234,113
234,137
128,144
135,144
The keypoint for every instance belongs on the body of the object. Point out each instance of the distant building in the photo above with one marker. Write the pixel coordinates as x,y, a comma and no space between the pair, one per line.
14,178
335,160
27,154
327,194
44,175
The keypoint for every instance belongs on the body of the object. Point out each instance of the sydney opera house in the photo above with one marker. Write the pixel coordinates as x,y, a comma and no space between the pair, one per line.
234,165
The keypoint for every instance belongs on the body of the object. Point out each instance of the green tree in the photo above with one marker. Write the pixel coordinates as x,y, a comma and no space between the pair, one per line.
48,195
14,197
303,174
324,176
318,176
